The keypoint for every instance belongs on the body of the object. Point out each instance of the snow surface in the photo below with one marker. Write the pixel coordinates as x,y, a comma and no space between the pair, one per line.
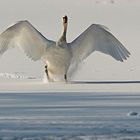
15,75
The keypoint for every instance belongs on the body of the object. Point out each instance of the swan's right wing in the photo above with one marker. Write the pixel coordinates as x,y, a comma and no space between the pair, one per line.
97,38
26,37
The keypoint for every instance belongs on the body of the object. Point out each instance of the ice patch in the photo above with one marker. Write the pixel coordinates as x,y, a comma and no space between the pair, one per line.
70,138
133,114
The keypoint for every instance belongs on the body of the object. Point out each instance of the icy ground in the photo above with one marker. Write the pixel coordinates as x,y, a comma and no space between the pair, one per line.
69,116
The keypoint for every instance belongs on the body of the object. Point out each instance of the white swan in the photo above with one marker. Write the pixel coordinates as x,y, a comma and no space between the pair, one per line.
58,56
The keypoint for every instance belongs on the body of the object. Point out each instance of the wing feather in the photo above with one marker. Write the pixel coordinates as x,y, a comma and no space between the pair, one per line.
97,38
24,35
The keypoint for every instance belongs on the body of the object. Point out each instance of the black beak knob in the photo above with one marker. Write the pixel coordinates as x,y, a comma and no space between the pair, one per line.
65,19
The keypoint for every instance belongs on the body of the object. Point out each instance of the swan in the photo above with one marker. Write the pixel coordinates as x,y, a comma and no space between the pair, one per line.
58,56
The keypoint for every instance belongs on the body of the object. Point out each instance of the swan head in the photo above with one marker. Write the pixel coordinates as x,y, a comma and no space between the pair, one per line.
65,19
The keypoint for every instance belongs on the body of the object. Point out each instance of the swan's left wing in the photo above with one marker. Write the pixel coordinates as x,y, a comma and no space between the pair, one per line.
97,38
23,35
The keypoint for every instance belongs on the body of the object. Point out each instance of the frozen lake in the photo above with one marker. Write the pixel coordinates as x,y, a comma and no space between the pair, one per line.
69,115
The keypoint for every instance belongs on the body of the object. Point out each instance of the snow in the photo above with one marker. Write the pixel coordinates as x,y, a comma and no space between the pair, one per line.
37,85
102,100
15,75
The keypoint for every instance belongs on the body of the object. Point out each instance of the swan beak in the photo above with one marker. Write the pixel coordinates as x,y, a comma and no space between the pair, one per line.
65,19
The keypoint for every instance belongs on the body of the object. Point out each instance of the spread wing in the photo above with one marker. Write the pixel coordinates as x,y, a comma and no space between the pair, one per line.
97,38
26,37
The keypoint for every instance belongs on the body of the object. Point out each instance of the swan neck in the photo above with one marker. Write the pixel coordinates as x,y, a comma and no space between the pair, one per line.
64,32
63,37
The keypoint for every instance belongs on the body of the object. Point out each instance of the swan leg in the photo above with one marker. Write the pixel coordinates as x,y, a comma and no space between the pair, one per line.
46,70
65,77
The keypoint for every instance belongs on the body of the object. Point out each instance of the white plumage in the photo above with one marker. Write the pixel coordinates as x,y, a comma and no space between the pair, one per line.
59,55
